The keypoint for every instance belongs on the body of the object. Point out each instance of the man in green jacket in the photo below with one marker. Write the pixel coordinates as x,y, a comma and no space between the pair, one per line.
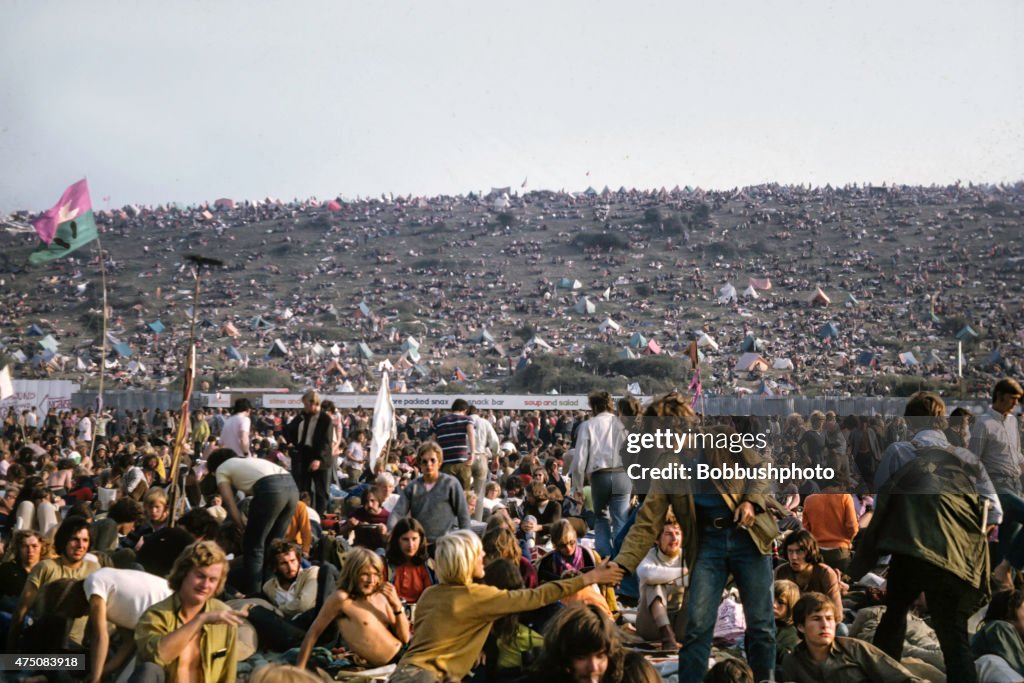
932,521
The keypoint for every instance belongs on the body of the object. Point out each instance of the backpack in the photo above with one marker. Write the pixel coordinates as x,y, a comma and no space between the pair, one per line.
330,549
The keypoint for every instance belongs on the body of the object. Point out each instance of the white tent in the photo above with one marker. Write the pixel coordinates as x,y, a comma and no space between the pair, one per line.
585,306
538,343
727,294
608,326
410,343
750,292
607,294
782,364
705,341
502,202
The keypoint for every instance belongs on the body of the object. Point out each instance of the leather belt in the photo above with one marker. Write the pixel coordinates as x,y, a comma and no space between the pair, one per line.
720,523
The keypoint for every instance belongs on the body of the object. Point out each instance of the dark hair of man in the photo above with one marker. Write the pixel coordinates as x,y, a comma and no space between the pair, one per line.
1006,386
927,410
200,523
513,485
812,602
460,405
125,510
280,546
70,527
959,417
218,458
241,405
600,402
730,670
804,539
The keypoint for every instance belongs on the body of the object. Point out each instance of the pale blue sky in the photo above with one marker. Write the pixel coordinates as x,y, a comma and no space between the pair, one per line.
193,100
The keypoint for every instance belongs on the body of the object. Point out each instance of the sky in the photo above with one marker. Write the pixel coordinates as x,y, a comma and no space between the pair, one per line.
194,100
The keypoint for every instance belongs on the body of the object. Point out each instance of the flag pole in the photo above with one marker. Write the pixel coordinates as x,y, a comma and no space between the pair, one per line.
186,390
103,342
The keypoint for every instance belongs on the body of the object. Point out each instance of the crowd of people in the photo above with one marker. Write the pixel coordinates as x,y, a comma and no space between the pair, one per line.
507,546
446,283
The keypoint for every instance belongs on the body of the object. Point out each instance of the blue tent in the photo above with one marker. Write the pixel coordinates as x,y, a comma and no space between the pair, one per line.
233,353
828,331
523,362
35,331
364,351
866,358
156,327
967,334
122,349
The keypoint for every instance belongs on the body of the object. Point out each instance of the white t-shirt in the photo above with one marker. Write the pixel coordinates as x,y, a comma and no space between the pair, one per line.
128,593
85,429
243,473
235,431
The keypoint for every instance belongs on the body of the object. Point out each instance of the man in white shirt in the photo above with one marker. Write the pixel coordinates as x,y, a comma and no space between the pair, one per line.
485,445
118,597
598,460
235,433
275,497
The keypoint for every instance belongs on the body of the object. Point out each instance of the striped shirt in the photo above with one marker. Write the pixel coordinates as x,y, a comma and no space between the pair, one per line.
452,434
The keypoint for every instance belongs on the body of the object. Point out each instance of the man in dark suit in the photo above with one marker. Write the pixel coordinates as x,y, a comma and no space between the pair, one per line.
311,435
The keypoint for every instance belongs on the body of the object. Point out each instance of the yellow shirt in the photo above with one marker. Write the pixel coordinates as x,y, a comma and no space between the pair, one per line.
218,650
50,570
453,622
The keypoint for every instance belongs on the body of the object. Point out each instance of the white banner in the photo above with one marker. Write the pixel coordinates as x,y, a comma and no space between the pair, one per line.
438,401
41,393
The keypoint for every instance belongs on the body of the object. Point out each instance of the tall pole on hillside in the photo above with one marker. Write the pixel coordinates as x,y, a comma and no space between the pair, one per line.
103,343
188,381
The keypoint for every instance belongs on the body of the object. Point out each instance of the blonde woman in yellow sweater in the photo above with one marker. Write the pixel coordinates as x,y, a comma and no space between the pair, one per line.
454,617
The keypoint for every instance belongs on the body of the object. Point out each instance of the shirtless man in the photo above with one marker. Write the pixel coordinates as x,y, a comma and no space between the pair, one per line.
190,636
369,612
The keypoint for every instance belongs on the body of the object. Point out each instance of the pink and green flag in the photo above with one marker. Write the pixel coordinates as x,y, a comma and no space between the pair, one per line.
67,226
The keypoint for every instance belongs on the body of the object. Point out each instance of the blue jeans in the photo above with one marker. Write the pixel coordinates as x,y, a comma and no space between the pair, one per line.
1011,539
721,552
610,492
274,499
630,586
